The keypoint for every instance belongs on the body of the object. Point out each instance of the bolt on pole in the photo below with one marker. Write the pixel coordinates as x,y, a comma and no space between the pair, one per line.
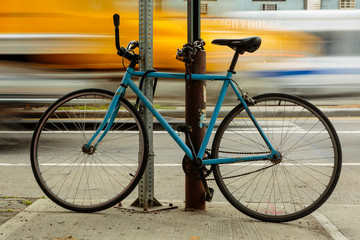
195,106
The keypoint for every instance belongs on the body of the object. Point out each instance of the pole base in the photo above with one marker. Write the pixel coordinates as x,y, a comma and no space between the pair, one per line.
155,208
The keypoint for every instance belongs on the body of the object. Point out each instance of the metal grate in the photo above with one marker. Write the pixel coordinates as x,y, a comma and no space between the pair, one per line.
347,4
314,7
314,4
204,8
269,7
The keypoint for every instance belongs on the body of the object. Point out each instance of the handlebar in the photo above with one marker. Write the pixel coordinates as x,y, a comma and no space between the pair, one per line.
116,18
121,51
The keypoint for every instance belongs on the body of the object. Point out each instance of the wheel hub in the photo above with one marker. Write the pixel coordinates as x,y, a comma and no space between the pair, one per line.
277,158
88,149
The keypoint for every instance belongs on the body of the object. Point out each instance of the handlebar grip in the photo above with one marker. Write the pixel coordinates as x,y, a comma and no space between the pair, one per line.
116,18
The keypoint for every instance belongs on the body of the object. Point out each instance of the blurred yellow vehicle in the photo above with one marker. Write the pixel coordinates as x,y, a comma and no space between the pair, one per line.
79,35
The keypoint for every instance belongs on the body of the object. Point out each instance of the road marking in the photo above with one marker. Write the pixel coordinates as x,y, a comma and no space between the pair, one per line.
65,164
14,164
164,132
329,227
350,164
163,164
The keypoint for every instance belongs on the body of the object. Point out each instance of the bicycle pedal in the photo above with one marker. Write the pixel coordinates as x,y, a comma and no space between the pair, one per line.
209,195
184,128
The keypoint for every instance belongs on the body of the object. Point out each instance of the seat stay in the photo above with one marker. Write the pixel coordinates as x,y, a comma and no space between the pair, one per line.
256,124
272,151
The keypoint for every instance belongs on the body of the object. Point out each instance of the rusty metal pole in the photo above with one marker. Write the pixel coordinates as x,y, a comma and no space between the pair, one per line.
195,107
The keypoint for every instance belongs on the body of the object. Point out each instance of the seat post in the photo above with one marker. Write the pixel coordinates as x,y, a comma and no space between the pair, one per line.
233,62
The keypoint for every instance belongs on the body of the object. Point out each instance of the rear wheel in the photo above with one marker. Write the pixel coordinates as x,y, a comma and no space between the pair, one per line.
88,180
300,181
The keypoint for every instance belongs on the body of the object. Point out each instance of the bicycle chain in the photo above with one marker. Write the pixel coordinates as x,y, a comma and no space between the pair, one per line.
248,173
244,174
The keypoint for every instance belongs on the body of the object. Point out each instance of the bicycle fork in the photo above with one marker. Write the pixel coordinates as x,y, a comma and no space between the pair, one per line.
106,123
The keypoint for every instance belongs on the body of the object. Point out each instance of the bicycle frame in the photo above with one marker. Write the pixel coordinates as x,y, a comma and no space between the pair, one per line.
127,82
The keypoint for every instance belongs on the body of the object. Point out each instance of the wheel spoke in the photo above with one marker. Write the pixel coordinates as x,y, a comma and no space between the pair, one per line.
88,181
310,158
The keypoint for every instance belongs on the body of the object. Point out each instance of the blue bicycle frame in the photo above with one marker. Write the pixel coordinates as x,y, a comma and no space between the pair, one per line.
127,82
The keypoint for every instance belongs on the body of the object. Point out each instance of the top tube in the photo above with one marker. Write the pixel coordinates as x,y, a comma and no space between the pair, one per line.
194,76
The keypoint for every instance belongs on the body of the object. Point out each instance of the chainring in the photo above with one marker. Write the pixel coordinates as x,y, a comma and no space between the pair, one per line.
193,172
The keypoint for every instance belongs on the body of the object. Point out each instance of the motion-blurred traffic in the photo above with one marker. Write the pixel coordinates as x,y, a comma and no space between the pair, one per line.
47,50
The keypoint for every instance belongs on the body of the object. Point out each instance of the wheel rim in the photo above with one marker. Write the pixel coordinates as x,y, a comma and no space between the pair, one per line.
80,180
301,181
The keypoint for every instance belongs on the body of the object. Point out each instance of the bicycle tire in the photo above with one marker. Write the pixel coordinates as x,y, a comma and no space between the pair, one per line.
310,165
80,181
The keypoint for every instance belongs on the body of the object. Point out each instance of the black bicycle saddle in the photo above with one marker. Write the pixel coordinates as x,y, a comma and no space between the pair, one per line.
250,44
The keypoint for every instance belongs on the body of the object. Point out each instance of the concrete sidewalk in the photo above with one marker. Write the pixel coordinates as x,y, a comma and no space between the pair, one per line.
45,220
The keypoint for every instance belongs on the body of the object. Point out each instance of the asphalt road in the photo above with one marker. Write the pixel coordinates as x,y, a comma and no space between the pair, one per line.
342,209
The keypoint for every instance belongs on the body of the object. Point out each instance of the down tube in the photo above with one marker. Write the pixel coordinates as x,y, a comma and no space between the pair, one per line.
162,121
213,119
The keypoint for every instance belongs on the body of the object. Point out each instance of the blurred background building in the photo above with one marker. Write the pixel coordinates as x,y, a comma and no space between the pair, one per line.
213,7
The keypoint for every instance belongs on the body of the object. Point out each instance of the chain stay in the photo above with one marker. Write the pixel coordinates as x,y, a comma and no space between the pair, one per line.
248,173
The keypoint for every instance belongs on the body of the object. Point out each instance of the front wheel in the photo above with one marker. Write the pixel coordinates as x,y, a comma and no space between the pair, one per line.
300,181
88,180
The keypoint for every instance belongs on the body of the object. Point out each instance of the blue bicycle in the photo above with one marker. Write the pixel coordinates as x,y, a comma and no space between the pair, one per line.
275,157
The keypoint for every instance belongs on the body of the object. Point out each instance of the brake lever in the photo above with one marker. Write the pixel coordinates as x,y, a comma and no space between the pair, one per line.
132,45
